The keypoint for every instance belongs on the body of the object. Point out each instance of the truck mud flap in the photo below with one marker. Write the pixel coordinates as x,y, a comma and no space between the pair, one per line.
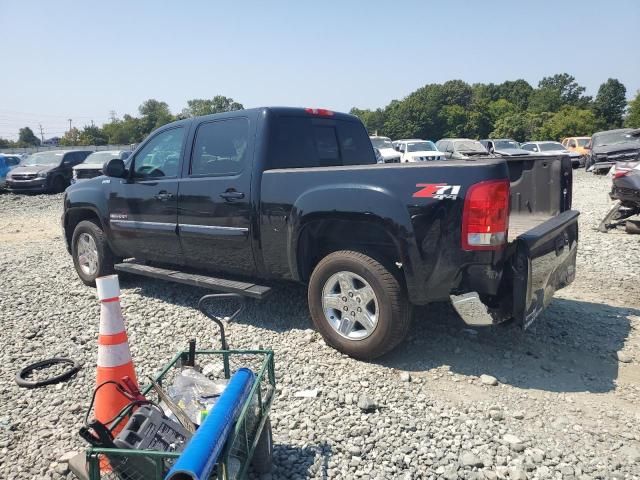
544,261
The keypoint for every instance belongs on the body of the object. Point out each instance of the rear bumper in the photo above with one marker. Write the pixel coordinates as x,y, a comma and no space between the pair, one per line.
542,261
602,166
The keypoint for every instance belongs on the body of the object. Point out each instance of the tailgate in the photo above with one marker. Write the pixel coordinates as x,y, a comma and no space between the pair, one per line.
544,261
543,231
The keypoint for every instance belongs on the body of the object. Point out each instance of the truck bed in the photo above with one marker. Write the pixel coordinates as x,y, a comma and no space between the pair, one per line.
518,224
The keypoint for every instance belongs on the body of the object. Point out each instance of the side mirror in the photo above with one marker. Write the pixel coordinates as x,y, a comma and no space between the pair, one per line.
587,147
115,168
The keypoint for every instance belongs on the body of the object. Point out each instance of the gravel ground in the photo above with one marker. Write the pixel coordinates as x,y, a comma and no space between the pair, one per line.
559,401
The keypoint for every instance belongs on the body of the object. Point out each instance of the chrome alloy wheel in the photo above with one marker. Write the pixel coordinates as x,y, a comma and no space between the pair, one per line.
87,254
350,305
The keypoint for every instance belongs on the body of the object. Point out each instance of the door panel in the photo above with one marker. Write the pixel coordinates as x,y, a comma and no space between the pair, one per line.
143,210
214,200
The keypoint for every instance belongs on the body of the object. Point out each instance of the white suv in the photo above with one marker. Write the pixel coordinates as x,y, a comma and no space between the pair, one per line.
416,150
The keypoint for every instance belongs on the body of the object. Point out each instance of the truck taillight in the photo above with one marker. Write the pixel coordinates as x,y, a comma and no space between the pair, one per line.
485,219
322,112
621,172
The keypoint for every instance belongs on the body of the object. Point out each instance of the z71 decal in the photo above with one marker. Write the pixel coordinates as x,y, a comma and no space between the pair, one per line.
439,191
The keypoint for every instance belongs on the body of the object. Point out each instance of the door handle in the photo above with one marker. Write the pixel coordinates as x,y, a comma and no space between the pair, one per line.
231,195
163,196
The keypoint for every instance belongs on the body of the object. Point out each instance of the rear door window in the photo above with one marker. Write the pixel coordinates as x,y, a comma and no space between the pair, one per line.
220,148
300,142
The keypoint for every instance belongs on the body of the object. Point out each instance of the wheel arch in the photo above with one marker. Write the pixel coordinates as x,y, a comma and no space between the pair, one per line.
73,217
322,235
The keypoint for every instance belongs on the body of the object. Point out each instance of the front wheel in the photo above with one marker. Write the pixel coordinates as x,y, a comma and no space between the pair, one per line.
91,254
58,184
357,305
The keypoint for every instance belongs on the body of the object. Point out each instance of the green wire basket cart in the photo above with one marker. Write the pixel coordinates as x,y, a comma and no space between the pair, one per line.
250,440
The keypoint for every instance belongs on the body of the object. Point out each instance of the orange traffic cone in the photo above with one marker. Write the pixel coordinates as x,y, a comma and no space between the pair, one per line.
114,358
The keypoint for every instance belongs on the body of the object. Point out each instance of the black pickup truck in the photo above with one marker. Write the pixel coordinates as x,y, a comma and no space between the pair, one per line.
296,194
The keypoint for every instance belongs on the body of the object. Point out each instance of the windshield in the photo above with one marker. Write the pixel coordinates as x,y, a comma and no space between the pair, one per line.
505,144
421,147
583,142
550,147
470,146
381,142
99,158
611,138
44,158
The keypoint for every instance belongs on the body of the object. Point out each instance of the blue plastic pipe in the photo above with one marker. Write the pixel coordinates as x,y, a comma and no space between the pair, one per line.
201,454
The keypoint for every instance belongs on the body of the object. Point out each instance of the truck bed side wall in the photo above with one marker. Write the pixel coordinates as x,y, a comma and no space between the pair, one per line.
422,233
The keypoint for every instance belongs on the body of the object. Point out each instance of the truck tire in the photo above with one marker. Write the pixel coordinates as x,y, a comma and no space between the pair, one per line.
262,459
357,305
91,254
632,226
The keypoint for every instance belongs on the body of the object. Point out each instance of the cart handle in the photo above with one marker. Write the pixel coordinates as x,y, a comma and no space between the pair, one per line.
220,296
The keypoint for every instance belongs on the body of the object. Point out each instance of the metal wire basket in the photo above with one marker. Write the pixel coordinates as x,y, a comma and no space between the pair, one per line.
249,438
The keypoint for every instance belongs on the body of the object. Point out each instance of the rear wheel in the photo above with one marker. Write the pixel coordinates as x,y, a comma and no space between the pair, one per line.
91,254
262,460
358,306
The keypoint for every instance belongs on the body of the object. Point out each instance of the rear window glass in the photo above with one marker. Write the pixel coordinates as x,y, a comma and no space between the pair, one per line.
299,142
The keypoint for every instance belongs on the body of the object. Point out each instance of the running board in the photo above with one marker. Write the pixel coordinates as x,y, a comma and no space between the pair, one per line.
195,280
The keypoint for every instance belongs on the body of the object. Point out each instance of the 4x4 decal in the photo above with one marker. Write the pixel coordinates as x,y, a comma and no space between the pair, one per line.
439,191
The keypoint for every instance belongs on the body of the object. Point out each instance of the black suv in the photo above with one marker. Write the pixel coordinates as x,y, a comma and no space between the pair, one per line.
45,171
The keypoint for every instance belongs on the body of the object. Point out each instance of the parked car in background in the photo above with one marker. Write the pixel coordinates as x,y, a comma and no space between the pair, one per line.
7,163
45,171
384,150
554,148
417,150
461,148
92,165
504,147
607,148
577,144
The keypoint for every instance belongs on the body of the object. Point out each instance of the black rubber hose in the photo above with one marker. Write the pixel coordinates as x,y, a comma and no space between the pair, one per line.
72,370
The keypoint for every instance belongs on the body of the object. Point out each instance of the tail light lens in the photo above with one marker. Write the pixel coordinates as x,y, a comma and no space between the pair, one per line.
485,219
621,172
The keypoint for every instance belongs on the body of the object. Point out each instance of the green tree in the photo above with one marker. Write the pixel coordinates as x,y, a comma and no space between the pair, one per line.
373,119
516,92
26,138
217,104
4,143
154,114
70,138
557,91
457,92
520,126
126,131
633,116
570,121
455,119
92,135
610,103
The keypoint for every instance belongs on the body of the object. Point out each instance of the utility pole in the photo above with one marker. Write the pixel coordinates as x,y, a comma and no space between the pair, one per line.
70,124
112,116
41,133
92,125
